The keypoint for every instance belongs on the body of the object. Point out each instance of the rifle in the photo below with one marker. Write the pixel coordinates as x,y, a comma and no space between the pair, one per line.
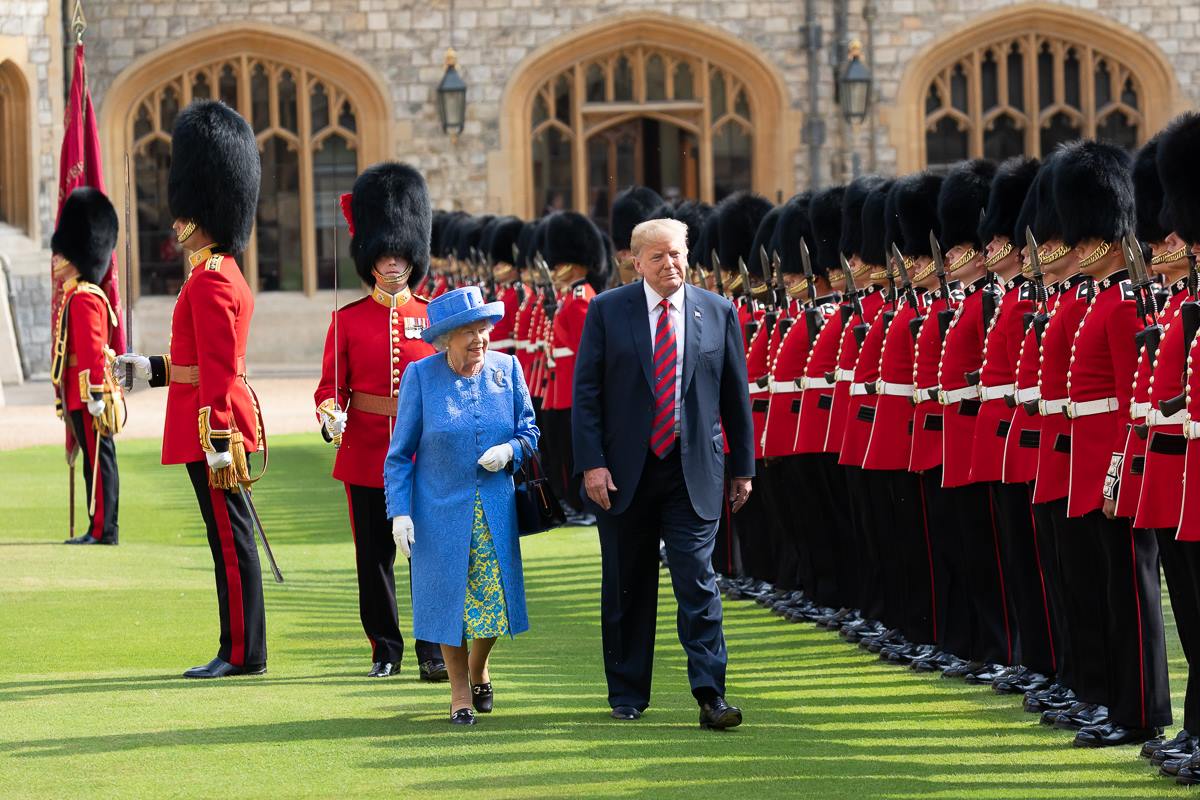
914,325
772,315
1189,318
781,293
859,330
128,283
520,286
812,317
744,274
1147,304
946,314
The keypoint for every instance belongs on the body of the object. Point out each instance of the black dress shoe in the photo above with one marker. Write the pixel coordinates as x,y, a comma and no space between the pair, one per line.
464,716
984,676
218,668
383,669
717,715
1183,750
1154,745
626,713
1111,734
481,697
1082,715
963,670
434,671
1053,698
87,538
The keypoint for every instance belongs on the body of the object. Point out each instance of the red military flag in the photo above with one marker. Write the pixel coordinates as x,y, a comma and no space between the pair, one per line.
79,165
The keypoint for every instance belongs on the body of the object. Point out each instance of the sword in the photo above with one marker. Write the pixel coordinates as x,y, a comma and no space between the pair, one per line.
248,502
128,279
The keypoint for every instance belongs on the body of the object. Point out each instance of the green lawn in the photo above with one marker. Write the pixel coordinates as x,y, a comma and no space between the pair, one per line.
93,641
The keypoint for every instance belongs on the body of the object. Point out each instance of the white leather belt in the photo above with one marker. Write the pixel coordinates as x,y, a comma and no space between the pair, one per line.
756,389
502,343
1090,407
562,352
1028,394
949,398
532,347
987,393
858,389
843,375
806,382
1050,407
922,395
894,389
1191,429
783,386
1139,410
1156,417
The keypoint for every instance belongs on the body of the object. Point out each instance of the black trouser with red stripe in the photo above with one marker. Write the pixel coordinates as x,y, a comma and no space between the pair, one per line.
870,600
1020,553
991,617
239,577
903,548
752,524
1085,605
558,458
952,608
817,526
375,562
1181,566
1138,690
786,493
1045,536
103,521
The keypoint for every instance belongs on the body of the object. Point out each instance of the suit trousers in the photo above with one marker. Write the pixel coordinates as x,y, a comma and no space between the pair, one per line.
1138,687
991,619
1020,549
724,559
230,527
952,610
103,521
660,509
1181,566
375,562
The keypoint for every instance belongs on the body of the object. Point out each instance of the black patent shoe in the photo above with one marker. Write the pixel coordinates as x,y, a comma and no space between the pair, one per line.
218,668
87,538
434,671
963,670
464,716
383,669
1154,745
481,697
1110,734
1183,750
1083,715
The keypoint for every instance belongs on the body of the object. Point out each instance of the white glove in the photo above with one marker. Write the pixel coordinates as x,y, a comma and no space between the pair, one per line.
335,423
141,364
402,532
95,407
218,460
496,458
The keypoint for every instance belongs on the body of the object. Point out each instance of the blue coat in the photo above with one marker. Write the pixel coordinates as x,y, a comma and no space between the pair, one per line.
444,424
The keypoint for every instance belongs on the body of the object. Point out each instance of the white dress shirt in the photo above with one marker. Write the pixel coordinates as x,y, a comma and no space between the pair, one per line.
654,311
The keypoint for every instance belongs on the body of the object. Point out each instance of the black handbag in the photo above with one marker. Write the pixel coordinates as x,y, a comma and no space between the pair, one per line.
538,509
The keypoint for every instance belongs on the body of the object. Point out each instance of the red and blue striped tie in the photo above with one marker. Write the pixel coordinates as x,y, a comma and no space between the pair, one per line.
662,430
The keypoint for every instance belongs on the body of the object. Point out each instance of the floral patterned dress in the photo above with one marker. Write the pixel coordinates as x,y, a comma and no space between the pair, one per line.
485,615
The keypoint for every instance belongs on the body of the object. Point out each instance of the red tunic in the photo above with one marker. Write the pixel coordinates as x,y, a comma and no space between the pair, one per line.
1024,437
872,303
962,353
91,325
503,333
1103,363
1189,514
1156,496
522,335
926,452
890,441
538,339
788,366
997,378
210,325
566,335
860,411
758,372
377,338
816,402
1054,447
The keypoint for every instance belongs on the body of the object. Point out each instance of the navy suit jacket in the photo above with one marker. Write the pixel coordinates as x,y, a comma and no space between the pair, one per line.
614,401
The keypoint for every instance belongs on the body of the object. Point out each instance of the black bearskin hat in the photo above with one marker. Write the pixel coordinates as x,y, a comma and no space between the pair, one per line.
525,245
572,238
963,197
874,228
1093,188
504,233
692,213
1179,171
448,235
215,173
86,233
1153,223
440,218
632,207
709,239
911,212
825,216
852,206
391,212
738,217
1013,179
470,237
794,225
762,241
1047,224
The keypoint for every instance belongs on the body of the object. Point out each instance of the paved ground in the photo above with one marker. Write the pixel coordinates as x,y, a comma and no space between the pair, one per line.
29,417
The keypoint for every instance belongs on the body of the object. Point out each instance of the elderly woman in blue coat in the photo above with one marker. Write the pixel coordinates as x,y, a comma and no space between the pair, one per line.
462,415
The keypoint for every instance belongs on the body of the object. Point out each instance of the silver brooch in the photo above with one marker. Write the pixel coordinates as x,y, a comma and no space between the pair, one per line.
498,377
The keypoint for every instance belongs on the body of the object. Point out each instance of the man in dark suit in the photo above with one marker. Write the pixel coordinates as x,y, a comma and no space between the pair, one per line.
660,386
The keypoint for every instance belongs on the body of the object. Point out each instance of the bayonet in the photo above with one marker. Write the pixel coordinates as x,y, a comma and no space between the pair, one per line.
716,265
939,264
744,274
1040,298
812,317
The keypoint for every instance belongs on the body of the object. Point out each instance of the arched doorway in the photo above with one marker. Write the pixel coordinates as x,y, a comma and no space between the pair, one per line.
16,160
320,117
643,98
1025,79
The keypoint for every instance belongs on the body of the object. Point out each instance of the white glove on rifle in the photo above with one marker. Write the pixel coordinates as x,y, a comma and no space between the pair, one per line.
402,532
335,423
496,458
140,364
218,460
95,407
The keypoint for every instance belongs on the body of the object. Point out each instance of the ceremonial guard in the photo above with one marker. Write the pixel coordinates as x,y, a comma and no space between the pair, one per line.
499,246
370,343
1094,192
212,192
87,395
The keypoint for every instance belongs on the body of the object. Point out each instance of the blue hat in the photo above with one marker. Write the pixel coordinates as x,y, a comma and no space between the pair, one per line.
457,308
